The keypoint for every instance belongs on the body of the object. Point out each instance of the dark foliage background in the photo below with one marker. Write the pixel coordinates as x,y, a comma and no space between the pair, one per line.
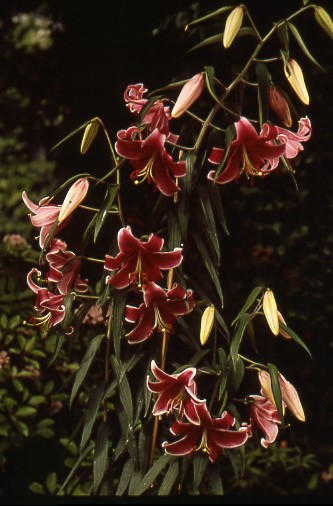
279,237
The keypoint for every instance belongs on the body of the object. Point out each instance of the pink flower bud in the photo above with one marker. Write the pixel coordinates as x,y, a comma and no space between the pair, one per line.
190,92
74,197
280,106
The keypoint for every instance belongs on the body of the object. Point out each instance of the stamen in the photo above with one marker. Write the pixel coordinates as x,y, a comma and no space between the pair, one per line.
160,324
139,176
248,167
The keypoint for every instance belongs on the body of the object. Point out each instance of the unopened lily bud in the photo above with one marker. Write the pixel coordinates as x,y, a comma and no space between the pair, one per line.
89,135
271,312
324,20
190,92
291,399
232,25
207,321
295,77
280,106
74,197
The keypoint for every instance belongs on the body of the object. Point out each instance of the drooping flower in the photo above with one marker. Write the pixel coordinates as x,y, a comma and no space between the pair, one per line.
290,398
45,217
211,436
49,305
293,140
157,116
65,268
175,390
159,311
139,261
189,93
264,415
250,153
150,160
74,197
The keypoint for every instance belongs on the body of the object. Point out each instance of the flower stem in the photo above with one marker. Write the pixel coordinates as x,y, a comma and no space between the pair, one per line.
107,358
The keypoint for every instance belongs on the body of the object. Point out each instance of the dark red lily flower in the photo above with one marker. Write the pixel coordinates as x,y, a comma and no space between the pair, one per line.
159,311
139,261
211,436
49,305
65,268
175,390
45,216
253,154
150,159
157,116
264,415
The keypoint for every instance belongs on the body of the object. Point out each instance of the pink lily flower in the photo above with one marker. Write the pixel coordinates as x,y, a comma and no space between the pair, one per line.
48,304
293,140
211,436
157,116
139,261
45,216
175,390
65,268
159,311
150,159
264,415
253,154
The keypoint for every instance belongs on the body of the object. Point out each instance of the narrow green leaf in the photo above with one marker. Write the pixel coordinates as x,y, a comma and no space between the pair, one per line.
150,102
190,160
230,134
101,454
274,374
87,234
70,135
59,342
283,34
105,208
76,466
214,39
124,388
174,233
125,477
168,87
216,202
87,360
224,371
238,375
135,483
215,481
238,336
200,462
302,45
153,472
209,74
183,209
119,304
249,301
210,220
234,462
25,411
209,264
295,337
95,399
210,15
264,79
169,479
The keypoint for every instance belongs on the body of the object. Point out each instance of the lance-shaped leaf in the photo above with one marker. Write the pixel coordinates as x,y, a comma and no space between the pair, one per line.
118,311
263,78
209,218
214,39
209,265
283,34
152,474
215,481
170,478
95,399
230,134
216,202
101,454
87,360
271,311
324,20
294,336
125,477
209,16
200,462
232,25
223,371
105,208
76,466
207,322
295,77
302,45
276,389
89,135
124,388
238,335
209,73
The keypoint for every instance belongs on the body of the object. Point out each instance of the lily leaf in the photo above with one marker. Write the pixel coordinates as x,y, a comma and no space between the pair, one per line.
105,208
209,265
101,454
209,16
302,45
274,374
264,78
169,478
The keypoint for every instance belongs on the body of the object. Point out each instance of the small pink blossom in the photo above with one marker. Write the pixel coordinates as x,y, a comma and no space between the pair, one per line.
175,390
4,359
139,261
293,140
65,268
49,305
159,311
264,415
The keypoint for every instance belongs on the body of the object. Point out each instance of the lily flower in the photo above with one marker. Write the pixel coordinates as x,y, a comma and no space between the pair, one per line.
49,305
290,398
250,153
65,268
159,311
45,217
211,436
157,116
293,140
175,390
150,159
264,415
139,261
